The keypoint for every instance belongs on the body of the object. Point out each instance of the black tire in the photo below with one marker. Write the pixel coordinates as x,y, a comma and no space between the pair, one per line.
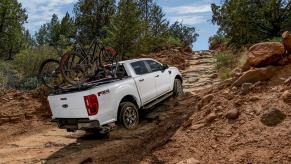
128,115
73,67
50,75
178,88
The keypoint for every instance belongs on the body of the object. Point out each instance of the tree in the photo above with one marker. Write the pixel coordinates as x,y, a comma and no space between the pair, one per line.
124,32
12,18
249,21
67,30
42,36
187,35
57,33
92,16
145,7
158,29
29,40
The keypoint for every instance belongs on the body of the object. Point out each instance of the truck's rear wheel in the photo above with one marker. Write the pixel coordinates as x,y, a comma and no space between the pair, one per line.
178,88
128,115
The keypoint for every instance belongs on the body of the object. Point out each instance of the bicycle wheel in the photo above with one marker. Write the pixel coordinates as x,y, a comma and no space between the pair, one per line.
50,75
75,68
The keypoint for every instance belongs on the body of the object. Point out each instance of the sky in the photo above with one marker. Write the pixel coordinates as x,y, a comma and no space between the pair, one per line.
195,13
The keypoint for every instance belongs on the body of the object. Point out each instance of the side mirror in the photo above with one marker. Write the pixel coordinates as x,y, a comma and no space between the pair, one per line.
164,67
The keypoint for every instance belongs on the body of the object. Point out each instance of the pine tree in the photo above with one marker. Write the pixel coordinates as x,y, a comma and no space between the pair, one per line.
12,18
42,36
92,16
187,35
248,21
29,40
124,32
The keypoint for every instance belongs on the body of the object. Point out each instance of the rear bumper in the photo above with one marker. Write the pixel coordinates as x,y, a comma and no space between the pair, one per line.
76,124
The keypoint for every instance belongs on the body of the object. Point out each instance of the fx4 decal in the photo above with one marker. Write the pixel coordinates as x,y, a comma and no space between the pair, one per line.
103,92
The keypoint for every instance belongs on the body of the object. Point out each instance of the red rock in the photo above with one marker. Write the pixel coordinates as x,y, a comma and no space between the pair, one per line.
255,75
287,40
264,54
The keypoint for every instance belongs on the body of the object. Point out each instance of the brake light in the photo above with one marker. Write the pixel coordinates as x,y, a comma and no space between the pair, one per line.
92,104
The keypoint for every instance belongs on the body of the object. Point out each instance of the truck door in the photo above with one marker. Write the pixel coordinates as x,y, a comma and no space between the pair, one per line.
162,77
145,82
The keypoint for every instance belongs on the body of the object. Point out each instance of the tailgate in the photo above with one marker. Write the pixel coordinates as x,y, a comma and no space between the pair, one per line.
70,105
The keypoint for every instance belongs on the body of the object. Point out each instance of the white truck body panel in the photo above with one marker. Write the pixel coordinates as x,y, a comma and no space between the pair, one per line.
143,88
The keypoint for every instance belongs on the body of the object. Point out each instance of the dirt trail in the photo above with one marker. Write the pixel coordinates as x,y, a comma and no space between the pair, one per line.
201,73
53,145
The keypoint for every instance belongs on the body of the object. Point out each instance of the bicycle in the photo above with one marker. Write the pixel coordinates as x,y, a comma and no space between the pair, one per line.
84,65
49,72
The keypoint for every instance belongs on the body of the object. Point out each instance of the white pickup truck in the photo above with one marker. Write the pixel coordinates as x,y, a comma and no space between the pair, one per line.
142,84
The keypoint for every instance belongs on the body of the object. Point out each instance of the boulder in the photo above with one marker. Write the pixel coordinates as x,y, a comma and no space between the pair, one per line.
272,117
232,114
255,75
287,40
264,54
286,97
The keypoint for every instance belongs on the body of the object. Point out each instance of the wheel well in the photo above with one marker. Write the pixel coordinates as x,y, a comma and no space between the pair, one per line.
179,77
127,98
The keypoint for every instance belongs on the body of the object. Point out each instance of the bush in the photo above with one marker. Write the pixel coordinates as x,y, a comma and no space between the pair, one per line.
8,76
225,62
276,39
225,59
28,61
217,42
29,83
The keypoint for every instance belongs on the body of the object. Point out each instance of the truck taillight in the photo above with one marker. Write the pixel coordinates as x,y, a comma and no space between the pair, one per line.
92,104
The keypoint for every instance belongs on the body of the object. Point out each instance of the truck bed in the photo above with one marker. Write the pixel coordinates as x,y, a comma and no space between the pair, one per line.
85,86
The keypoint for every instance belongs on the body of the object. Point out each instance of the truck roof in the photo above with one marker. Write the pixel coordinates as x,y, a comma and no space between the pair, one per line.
134,60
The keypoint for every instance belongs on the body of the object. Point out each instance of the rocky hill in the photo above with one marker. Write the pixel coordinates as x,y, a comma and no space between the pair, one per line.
245,119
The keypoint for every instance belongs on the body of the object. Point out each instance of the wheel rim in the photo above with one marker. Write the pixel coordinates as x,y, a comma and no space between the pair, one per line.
130,117
179,88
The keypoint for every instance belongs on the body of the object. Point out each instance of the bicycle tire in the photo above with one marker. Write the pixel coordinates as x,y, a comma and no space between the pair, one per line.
65,66
54,72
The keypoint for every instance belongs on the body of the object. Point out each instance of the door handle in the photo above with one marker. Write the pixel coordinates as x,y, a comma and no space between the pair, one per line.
157,76
141,80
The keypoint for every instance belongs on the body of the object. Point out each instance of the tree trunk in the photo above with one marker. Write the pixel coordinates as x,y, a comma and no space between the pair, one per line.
10,54
287,41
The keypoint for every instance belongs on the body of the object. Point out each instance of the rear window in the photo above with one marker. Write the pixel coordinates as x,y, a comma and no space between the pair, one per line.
139,67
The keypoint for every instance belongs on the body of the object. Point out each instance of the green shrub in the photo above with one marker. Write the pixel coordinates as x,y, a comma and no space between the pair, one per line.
276,39
9,77
28,61
224,73
225,60
174,41
218,42
29,83
225,63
